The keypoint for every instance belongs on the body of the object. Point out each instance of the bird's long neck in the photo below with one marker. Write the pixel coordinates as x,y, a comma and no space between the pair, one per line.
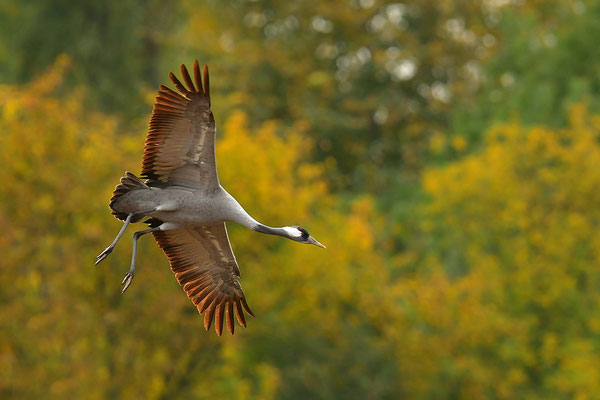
243,218
262,228
253,224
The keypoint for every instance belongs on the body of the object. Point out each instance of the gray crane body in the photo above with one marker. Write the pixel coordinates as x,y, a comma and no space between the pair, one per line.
178,206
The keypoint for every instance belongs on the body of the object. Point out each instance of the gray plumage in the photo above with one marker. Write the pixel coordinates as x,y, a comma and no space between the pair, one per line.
185,205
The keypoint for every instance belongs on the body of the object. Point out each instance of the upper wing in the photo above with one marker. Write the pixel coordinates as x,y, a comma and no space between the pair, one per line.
180,145
205,266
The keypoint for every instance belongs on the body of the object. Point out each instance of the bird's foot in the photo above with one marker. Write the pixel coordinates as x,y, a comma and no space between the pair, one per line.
103,255
127,281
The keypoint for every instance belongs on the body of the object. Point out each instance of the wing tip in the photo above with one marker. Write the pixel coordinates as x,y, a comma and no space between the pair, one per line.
239,313
198,77
187,79
208,317
219,319
199,87
223,311
206,82
247,307
229,317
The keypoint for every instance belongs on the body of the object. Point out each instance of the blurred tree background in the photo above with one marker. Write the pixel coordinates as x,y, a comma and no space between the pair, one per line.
446,152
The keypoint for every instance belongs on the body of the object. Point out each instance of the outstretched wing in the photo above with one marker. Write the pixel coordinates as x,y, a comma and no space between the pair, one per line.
205,266
180,145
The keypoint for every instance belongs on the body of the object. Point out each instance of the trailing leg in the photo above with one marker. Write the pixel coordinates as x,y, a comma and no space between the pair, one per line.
126,223
110,248
129,276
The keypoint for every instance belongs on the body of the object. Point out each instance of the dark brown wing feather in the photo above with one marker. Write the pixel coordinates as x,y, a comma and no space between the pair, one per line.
180,145
205,267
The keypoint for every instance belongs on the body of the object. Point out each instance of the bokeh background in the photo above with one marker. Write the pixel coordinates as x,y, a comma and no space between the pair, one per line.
446,152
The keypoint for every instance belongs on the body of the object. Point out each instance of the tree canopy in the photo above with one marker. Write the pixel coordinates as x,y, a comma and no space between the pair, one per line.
445,152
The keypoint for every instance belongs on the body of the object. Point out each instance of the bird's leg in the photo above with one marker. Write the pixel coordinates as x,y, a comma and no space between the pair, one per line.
129,276
110,248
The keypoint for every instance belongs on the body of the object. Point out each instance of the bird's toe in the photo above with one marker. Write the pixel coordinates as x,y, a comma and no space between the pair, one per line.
127,281
103,255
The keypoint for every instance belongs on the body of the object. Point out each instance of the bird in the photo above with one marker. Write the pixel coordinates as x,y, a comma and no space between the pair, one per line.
179,195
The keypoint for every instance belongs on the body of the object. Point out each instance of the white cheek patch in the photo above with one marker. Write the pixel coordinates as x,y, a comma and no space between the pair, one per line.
293,232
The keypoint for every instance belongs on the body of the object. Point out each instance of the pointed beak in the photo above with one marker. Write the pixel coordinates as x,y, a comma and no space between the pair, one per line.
312,240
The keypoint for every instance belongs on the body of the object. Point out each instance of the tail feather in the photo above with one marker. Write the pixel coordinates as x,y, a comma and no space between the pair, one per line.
128,183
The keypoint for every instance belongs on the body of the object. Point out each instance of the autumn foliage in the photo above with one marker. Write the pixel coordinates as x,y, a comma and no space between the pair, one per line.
459,210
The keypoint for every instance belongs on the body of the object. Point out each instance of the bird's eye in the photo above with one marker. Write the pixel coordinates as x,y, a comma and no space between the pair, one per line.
304,232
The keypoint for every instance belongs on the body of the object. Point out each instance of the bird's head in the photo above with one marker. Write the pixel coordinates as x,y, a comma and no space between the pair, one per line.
300,234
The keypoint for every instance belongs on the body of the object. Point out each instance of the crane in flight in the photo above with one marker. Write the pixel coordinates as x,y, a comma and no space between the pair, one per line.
185,205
